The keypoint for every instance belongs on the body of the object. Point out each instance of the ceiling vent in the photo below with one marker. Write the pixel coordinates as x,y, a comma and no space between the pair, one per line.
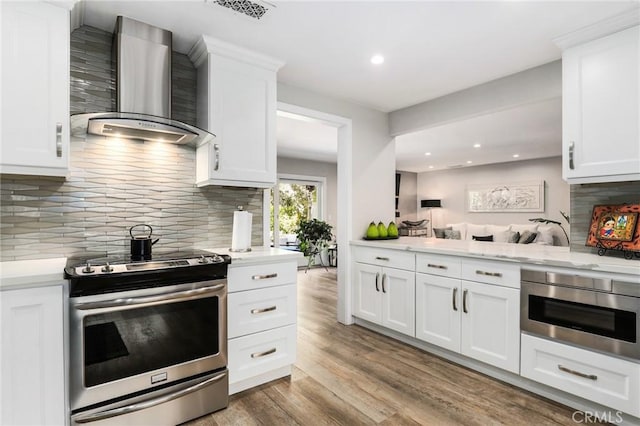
252,9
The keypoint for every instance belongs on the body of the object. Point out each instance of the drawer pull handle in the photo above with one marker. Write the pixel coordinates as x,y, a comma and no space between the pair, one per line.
489,274
455,296
264,277
572,147
431,265
577,373
464,301
58,140
216,150
263,310
383,277
377,278
265,353
386,259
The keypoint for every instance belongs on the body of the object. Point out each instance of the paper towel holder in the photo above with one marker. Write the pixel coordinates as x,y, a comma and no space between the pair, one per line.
245,250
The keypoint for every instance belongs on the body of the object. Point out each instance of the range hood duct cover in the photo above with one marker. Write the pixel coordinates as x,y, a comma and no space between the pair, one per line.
143,90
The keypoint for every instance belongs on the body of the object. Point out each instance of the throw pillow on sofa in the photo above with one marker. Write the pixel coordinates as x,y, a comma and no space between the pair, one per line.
500,233
513,237
460,227
439,232
527,237
452,234
482,238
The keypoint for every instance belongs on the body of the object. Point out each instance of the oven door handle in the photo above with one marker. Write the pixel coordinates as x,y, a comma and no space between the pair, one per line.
149,403
150,300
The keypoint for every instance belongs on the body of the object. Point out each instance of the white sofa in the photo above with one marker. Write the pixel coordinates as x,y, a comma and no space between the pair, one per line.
515,233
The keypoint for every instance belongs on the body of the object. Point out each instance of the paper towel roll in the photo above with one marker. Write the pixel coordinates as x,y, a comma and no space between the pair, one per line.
241,237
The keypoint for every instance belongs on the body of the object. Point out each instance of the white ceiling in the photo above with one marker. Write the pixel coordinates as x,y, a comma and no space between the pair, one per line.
432,48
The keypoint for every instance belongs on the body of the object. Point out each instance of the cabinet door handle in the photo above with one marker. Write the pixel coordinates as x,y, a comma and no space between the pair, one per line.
431,265
489,274
216,156
577,373
264,277
265,353
386,259
383,277
464,301
377,278
453,299
263,310
572,147
59,139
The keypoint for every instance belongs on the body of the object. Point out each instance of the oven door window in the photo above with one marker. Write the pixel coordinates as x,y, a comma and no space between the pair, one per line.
128,342
603,321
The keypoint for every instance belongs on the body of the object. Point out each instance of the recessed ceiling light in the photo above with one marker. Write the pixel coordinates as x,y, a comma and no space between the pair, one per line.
431,167
377,59
516,155
476,145
427,153
469,161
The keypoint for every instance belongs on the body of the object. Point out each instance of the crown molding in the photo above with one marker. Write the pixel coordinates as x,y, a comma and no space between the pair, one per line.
613,24
209,45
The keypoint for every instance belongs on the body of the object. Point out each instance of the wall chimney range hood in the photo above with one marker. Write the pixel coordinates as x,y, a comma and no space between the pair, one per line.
143,85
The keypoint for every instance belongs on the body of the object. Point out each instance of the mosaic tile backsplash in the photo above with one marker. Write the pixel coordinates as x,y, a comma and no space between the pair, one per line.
114,185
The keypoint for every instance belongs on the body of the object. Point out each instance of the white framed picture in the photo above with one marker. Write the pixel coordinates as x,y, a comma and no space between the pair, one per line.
513,197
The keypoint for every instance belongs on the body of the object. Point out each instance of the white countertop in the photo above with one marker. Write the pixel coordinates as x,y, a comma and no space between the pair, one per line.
30,273
258,254
523,253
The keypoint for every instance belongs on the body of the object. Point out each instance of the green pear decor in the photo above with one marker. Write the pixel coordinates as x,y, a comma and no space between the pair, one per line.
392,230
382,230
372,231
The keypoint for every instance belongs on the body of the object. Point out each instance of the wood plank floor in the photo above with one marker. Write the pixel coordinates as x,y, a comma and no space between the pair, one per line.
348,375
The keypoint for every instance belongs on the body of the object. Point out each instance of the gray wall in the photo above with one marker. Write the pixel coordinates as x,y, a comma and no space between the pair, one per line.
450,187
114,186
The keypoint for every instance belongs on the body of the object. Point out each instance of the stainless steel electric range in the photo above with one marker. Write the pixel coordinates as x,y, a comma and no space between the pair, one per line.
148,339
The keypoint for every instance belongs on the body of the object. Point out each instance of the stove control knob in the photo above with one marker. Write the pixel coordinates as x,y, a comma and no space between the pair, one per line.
217,258
107,268
88,269
204,259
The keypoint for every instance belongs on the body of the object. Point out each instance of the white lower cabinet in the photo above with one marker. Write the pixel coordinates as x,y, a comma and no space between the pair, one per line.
609,381
261,318
32,357
385,296
477,319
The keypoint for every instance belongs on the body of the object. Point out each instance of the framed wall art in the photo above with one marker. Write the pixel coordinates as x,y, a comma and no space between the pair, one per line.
615,227
513,197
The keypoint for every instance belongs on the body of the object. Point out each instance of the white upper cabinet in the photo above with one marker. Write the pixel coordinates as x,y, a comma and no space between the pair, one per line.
35,89
236,102
601,97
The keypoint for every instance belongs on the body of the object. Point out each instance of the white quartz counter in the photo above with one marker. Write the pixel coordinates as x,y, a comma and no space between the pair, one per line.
32,273
523,253
257,255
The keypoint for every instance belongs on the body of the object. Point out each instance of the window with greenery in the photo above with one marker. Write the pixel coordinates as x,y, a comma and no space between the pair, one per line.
297,202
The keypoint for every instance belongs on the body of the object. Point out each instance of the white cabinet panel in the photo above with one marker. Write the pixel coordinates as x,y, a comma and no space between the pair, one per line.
438,311
610,381
367,303
32,360
447,266
398,300
601,112
491,325
257,310
252,277
397,259
491,272
237,102
35,89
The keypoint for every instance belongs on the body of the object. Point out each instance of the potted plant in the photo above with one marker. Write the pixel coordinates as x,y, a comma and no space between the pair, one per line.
313,236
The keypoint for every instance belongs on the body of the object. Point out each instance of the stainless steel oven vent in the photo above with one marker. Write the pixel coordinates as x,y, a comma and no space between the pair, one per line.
249,8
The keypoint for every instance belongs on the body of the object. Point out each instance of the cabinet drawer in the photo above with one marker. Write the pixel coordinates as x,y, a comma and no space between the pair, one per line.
609,381
260,353
384,257
435,264
490,272
259,310
253,277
